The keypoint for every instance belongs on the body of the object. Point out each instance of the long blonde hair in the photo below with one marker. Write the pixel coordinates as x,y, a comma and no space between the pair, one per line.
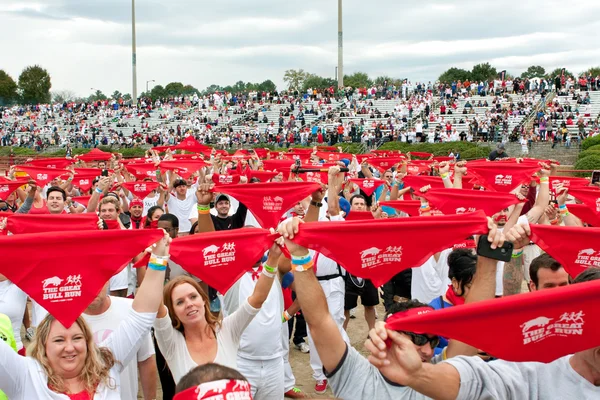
98,361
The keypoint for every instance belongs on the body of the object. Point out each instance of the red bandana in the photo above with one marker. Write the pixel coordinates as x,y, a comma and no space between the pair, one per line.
263,176
318,177
88,171
221,258
333,156
278,165
184,168
84,182
467,244
192,145
112,224
384,163
143,170
84,199
420,154
7,187
410,207
589,197
453,298
567,181
224,389
66,271
539,326
268,201
443,158
226,179
358,216
140,189
42,175
417,169
460,201
305,157
39,223
59,163
417,182
576,248
503,177
585,214
368,185
95,155
380,249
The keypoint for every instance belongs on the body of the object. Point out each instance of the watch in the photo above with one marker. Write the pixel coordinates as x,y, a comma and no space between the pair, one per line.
314,203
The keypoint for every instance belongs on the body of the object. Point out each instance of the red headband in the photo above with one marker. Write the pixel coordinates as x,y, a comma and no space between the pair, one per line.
217,390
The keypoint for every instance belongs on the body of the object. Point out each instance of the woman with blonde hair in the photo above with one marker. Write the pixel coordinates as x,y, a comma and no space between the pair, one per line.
188,334
64,363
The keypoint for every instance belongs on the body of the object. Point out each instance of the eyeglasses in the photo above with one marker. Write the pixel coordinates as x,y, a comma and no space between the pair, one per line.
422,340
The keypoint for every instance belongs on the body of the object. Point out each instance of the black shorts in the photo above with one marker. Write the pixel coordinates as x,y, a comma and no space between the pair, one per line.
369,296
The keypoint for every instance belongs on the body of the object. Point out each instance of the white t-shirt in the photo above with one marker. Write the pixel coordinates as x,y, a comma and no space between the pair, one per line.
266,324
149,202
12,303
427,281
182,209
173,347
38,313
121,280
104,325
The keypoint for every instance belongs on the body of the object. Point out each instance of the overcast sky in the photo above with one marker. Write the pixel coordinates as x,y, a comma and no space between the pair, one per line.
86,44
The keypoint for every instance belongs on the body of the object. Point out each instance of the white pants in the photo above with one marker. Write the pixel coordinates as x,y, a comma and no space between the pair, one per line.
289,380
265,377
334,290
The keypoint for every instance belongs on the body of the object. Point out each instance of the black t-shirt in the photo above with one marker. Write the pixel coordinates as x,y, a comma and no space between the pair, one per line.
235,221
494,154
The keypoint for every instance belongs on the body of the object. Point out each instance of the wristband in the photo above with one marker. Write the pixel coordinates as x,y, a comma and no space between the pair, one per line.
425,205
314,203
98,190
301,261
157,267
422,210
203,212
268,274
517,255
158,261
555,221
544,179
445,175
203,207
302,268
70,179
562,207
286,316
269,269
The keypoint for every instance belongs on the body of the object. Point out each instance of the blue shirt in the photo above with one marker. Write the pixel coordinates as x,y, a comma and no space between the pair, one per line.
438,303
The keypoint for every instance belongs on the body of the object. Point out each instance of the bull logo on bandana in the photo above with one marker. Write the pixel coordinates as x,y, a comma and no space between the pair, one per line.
588,258
225,179
462,210
58,290
368,183
374,257
139,187
3,189
313,177
42,177
272,204
219,256
504,180
84,182
540,328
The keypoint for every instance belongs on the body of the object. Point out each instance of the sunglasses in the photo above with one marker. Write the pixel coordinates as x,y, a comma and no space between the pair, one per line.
422,340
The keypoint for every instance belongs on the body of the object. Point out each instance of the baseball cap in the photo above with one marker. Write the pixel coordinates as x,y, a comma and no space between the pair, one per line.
500,146
345,161
222,197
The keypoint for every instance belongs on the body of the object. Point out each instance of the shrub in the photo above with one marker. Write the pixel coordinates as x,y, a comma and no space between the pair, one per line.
591,162
588,153
475,153
589,142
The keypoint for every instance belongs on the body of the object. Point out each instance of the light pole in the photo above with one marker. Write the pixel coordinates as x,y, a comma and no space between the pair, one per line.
133,55
340,70
152,80
336,76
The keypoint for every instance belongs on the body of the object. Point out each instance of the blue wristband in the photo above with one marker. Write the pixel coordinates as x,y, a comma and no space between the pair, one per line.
157,267
301,261
98,190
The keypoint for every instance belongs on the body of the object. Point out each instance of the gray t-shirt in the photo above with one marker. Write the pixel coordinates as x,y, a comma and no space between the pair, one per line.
356,378
525,380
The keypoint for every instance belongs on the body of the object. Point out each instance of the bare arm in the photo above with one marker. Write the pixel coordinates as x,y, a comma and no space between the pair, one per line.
149,295
264,283
543,196
513,275
312,215
148,374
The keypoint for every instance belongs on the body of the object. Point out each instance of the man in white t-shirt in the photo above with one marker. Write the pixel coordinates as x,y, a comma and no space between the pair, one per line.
104,315
181,204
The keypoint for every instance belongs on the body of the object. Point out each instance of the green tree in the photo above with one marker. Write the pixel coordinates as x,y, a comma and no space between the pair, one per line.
157,91
127,98
594,71
357,80
35,85
189,90
8,89
535,71
483,72
60,96
381,79
454,74
116,95
239,87
213,88
295,79
558,71
98,95
267,86
174,88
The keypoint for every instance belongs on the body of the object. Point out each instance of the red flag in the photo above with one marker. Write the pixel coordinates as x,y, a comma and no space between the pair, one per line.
589,197
586,214
410,207
95,155
384,163
42,175
503,177
7,187
221,258
391,245
460,201
140,189
39,223
359,216
538,326
60,163
368,185
417,182
66,271
268,201
226,179
576,248
184,168
264,176
84,182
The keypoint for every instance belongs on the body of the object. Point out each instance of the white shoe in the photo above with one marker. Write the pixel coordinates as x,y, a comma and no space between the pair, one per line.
303,347
353,313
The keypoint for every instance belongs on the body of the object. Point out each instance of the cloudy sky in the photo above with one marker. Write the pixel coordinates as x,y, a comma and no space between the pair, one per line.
86,44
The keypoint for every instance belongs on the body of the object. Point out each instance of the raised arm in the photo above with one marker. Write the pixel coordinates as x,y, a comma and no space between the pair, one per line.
149,294
265,281
543,196
328,340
